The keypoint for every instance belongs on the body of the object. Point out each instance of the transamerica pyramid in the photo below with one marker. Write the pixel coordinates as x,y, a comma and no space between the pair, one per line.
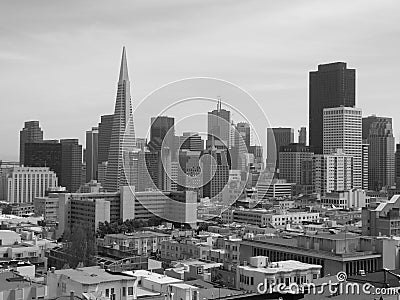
123,132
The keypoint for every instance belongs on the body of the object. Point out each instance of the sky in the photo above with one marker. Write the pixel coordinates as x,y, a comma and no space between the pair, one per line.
59,60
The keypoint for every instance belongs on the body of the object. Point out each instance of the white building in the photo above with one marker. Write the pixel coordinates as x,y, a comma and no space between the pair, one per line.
261,276
354,198
342,129
276,188
332,172
262,217
26,183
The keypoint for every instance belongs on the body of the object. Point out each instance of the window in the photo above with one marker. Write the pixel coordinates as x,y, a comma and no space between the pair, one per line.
123,291
112,291
107,292
130,291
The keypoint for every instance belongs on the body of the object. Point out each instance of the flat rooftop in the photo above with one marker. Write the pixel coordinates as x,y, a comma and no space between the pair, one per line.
136,235
9,281
281,266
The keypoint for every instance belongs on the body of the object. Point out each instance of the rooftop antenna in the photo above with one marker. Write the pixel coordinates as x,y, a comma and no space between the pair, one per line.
219,104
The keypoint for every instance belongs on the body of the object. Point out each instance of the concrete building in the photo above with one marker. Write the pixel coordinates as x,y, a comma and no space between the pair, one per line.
291,158
14,286
378,133
259,271
263,217
365,166
191,141
332,85
277,188
382,218
137,243
334,252
350,199
48,207
185,249
26,183
302,136
276,138
342,129
333,172
71,164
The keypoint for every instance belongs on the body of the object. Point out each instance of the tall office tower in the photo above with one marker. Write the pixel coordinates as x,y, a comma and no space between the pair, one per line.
332,85
122,134
71,164
219,128
243,129
161,131
332,172
191,141
290,161
216,165
303,135
364,162
241,145
257,151
189,178
342,129
276,138
92,142
105,128
44,154
397,165
26,183
31,133
141,143
378,133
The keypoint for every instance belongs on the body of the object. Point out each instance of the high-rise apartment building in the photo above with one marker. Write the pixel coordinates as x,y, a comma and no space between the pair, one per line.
122,138
342,129
92,138
332,172
26,183
276,138
378,133
291,158
332,85
219,127
31,133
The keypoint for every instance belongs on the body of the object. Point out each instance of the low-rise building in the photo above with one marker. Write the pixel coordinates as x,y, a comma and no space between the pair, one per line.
15,286
263,217
185,249
259,272
354,198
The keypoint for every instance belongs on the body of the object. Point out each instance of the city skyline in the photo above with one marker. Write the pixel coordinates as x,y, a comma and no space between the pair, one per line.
83,77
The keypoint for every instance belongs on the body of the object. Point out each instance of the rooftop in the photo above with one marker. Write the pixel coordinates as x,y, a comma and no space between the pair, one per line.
91,275
10,280
281,266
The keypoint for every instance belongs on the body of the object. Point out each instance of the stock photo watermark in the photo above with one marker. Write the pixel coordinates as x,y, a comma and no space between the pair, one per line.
340,286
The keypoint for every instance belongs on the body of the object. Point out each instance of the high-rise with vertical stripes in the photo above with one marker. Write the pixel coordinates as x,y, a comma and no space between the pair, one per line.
123,134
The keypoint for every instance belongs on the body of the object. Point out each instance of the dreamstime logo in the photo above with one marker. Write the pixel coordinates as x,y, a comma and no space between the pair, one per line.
170,162
333,287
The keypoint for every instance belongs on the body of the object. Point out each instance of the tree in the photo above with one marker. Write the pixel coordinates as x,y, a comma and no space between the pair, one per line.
80,246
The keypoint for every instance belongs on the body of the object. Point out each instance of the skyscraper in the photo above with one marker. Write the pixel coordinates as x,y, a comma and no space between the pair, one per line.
71,164
241,145
122,133
191,141
276,138
44,154
291,158
378,132
31,133
161,131
219,127
105,128
397,165
92,137
342,129
303,135
332,85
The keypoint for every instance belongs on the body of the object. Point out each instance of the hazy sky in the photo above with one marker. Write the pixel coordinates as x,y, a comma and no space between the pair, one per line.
59,60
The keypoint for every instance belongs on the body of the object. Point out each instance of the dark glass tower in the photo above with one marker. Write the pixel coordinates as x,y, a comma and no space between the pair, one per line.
31,133
333,85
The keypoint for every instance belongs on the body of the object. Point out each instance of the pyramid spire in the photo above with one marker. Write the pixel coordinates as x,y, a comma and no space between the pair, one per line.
123,71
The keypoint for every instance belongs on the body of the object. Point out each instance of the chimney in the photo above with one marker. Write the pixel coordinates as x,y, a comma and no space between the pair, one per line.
71,295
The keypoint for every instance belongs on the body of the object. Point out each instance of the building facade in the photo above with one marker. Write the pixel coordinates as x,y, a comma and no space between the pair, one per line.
332,85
